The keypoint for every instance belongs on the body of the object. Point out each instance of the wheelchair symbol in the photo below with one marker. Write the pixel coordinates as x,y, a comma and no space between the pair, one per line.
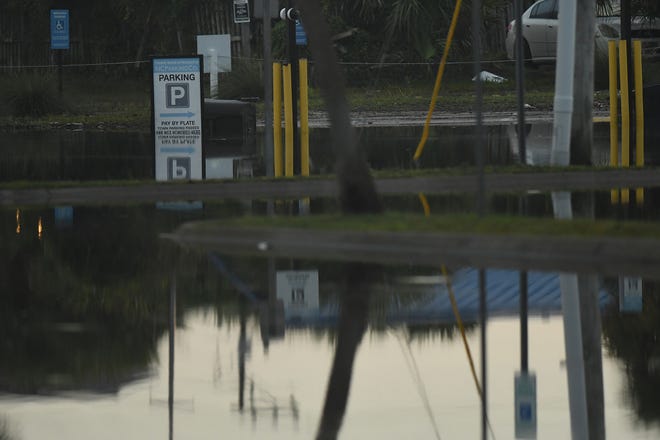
59,25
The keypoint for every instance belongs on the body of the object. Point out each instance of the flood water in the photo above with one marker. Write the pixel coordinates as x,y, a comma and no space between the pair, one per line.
99,155
109,331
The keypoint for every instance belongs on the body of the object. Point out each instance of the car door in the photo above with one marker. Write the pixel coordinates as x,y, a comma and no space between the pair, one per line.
551,30
541,29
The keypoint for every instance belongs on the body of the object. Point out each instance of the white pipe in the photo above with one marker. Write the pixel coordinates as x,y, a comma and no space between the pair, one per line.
561,139
570,305
213,73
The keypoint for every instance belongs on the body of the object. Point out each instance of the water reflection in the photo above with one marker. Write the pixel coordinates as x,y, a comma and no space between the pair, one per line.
354,308
101,155
75,155
633,338
85,311
5,429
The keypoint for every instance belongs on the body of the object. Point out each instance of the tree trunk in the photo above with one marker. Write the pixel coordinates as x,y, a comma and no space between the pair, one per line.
143,40
357,192
583,77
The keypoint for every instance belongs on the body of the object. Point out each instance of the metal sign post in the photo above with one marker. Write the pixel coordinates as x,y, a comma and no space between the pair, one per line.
59,38
177,118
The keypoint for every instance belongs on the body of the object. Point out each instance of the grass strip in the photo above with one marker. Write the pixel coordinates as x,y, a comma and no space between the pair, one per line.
450,223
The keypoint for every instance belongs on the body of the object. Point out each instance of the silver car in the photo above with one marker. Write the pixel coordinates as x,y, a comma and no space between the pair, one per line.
540,24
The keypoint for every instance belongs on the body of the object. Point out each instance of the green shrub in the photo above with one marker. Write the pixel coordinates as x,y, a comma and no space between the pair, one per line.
32,95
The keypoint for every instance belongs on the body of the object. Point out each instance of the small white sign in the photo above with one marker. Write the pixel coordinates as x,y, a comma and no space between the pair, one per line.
299,291
216,50
241,11
177,116
525,405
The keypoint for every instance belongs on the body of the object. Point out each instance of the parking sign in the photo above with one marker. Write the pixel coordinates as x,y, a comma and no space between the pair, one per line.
177,116
59,29
177,95
525,405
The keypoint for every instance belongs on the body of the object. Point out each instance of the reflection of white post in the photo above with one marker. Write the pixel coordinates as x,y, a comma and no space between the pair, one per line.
570,305
213,73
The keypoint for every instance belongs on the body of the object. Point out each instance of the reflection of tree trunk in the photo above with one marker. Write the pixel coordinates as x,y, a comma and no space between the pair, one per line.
590,319
357,192
352,325
592,352
242,347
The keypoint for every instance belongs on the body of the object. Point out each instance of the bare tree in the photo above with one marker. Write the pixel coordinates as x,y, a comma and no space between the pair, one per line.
357,192
583,77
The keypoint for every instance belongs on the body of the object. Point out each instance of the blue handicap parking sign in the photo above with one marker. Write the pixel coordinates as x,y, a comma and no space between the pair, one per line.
59,29
301,36
525,412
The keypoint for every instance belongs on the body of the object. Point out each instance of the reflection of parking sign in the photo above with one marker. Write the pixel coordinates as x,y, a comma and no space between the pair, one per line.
178,168
525,404
176,95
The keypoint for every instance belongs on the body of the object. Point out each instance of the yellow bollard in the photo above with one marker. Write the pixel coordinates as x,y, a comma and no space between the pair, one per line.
304,119
625,109
625,115
277,119
639,104
614,114
639,115
288,123
614,110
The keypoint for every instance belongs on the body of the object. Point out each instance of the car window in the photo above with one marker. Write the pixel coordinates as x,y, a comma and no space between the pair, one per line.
546,9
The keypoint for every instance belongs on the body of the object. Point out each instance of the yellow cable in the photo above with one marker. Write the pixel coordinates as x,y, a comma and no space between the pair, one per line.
425,204
459,321
457,314
438,81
